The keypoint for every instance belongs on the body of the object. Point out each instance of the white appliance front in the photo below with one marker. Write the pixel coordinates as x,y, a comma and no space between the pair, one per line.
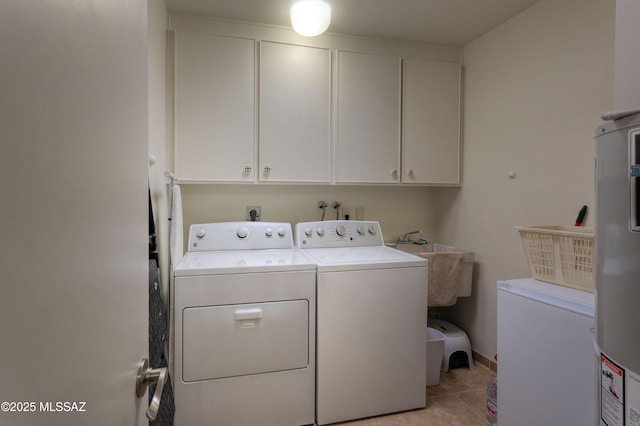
547,366
244,329
250,338
372,312
618,269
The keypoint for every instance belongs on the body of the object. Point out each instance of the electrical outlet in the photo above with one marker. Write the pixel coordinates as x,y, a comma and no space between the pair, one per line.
251,216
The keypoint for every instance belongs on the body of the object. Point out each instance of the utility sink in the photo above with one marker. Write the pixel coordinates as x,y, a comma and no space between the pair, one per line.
466,275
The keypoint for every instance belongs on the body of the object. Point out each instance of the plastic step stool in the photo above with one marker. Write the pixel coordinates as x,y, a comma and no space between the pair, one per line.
435,349
455,340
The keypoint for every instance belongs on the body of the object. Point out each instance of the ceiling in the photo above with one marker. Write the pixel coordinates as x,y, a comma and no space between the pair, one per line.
441,22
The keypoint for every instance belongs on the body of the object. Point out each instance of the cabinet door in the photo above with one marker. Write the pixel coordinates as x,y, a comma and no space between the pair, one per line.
368,118
295,113
215,107
431,122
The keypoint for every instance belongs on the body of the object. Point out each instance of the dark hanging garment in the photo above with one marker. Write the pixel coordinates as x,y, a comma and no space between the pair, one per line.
157,344
158,330
153,247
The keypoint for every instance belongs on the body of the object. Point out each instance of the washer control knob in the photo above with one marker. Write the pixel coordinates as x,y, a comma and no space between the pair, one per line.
200,233
242,232
361,230
308,232
281,232
373,230
320,231
341,230
268,232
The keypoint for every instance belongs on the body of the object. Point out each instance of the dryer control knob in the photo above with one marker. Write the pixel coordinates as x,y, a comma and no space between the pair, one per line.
242,232
320,231
281,232
341,230
200,233
373,230
268,232
361,230
308,232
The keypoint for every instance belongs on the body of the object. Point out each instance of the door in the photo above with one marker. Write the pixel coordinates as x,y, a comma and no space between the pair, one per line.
73,215
295,108
215,107
431,122
368,118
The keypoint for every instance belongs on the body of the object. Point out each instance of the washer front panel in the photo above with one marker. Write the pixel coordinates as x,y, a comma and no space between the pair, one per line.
371,350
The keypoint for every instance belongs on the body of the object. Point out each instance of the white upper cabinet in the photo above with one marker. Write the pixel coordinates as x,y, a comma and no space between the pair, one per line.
295,113
316,112
431,122
368,118
214,108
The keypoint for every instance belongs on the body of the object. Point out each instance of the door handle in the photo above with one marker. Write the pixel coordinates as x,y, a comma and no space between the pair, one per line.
148,376
247,314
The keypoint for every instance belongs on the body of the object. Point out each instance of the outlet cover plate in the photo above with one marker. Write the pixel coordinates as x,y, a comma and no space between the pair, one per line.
247,214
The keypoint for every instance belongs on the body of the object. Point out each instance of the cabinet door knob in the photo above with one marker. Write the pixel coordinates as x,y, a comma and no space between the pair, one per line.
267,169
410,172
247,169
394,172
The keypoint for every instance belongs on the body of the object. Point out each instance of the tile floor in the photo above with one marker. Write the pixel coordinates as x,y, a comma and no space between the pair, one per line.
459,400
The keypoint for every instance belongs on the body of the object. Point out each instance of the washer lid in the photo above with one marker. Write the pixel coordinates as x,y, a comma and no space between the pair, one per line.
243,262
357,258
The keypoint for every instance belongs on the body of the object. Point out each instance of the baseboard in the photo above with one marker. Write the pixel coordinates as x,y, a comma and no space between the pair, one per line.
491,365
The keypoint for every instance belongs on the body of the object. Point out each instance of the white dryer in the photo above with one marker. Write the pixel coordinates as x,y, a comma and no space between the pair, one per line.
244,327
371,316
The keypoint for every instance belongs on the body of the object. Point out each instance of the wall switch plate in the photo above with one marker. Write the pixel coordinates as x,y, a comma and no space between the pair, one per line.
249,212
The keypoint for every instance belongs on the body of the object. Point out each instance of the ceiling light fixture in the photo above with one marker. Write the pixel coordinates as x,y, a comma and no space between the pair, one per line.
310,18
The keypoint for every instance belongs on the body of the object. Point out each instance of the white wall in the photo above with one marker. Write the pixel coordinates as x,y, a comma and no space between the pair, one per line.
534,91
627,55
156,31
398,209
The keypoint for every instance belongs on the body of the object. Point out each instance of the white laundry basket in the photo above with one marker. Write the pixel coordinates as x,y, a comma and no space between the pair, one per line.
435,351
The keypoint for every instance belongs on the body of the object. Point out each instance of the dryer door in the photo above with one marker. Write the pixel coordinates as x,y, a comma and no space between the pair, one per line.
237,340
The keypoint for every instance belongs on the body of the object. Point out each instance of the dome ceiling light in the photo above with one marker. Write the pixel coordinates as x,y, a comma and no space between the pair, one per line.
310,18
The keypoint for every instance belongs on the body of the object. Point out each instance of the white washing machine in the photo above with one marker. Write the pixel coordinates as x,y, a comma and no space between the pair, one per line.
244,327
371,316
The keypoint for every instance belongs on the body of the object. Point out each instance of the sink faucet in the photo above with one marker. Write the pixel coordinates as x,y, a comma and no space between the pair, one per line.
406,238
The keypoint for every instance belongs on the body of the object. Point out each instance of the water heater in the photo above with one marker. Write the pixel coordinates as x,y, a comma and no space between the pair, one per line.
618,270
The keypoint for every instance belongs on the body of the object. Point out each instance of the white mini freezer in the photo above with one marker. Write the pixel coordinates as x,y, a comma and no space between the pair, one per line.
547,365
